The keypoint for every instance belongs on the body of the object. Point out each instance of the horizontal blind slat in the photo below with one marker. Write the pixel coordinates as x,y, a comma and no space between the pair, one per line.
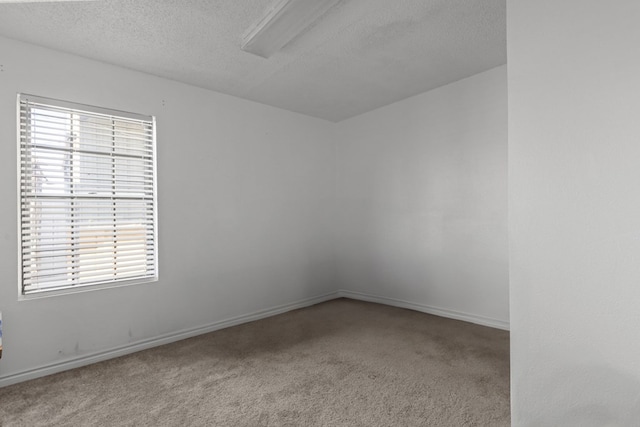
41,133
31,236
82,264
81,273
55,106
47,152
66,284
51,123
120,250
116,197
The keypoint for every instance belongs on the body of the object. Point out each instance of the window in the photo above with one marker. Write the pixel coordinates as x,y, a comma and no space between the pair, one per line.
87,196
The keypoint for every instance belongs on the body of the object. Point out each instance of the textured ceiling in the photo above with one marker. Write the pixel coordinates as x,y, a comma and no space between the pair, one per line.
361,55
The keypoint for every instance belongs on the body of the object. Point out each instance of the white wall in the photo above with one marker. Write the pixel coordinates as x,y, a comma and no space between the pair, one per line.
258,205
422,201
574,201
245,195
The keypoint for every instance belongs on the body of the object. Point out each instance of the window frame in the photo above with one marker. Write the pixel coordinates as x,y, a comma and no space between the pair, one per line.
94,111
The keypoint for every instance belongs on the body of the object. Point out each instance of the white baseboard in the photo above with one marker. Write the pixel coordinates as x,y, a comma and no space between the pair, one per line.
160,340
257,315
442,312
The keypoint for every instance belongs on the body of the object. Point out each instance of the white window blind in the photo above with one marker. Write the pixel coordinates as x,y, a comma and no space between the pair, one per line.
87,195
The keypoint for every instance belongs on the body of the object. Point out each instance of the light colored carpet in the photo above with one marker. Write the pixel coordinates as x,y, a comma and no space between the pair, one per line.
340,363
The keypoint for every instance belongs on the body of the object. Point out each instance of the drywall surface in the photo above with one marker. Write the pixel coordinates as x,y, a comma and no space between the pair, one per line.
244,192
574,174
421,201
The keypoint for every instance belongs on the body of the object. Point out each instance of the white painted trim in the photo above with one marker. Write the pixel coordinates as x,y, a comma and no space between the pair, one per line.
442,312
160,340
257,315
